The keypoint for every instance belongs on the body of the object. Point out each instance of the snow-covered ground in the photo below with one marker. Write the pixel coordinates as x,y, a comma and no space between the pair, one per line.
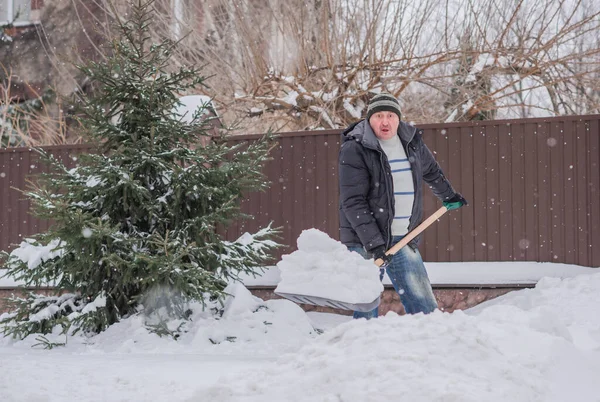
540,344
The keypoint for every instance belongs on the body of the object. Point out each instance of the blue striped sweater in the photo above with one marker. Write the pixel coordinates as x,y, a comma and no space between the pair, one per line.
404,189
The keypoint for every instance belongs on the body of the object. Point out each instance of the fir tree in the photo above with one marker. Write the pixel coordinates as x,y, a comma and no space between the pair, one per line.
134,225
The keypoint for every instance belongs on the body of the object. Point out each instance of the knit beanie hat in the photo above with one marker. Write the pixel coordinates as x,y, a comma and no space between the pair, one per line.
383,102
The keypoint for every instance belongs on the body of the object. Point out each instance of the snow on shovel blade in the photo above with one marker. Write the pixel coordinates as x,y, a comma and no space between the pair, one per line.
323,272
325,267
321,301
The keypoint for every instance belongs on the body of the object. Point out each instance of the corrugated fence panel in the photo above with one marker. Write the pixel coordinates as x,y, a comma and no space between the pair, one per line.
5,238
492,241
556,147
533,187
456,146
544,199
299,215
529,211
581,189
480,202
333,143
516,178
303,192
467,189
570,211
505,176
19,166
594,163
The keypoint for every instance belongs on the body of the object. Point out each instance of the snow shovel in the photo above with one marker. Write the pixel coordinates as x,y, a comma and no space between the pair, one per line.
364,307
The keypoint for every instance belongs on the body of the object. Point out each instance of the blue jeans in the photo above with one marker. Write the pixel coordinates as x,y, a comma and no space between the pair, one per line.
409,277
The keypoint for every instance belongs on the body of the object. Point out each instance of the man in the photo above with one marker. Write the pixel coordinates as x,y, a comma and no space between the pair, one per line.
382,165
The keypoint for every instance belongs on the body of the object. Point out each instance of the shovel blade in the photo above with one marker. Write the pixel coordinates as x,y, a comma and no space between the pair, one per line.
324,302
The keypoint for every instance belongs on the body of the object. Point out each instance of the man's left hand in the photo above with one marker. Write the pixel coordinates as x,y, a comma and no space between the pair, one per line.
455,202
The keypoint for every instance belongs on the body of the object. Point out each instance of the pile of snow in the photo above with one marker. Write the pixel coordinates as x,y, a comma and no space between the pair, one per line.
539,344
241,321
324,267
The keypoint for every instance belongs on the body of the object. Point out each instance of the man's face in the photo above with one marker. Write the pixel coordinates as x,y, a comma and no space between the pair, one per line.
385,124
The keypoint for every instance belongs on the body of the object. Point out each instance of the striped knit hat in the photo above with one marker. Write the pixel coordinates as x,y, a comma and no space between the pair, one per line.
381,102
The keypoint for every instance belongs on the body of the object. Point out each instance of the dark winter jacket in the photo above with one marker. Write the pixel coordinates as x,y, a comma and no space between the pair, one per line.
366,189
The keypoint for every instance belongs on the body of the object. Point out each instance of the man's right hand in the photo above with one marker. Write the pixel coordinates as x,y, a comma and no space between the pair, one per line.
379,252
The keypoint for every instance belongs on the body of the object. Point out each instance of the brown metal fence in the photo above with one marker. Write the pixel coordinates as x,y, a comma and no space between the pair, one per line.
533,186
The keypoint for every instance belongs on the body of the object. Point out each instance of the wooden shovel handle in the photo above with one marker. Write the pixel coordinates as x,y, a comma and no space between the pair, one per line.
413,233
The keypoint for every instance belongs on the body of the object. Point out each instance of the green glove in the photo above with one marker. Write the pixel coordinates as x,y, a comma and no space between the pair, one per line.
455,202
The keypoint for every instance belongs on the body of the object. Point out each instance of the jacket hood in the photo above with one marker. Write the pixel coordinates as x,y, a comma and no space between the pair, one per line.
363,133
